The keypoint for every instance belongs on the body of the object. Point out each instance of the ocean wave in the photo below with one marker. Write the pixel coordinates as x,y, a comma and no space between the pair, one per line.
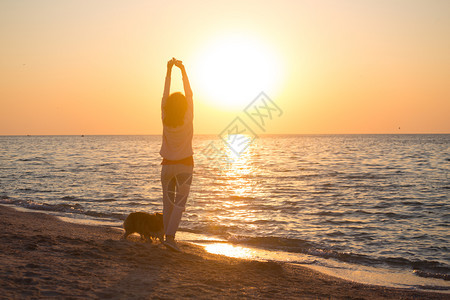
329,213
422,268
344,222
392,215
107,215
71,198
425,274
210,228
61,208
274,243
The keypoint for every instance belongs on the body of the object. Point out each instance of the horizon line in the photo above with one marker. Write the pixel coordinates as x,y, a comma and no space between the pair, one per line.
212,134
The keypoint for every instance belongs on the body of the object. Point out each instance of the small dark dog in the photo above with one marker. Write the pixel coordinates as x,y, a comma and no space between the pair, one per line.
147,225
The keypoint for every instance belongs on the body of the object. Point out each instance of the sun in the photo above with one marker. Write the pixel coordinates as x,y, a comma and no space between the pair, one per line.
231,70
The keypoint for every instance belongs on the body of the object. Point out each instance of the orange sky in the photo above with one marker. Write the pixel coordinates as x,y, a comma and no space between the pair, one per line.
97,67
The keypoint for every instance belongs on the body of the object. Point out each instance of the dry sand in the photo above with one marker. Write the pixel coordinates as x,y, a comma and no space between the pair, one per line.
43,257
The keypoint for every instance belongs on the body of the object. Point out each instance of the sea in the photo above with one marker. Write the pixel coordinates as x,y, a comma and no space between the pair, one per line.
369,208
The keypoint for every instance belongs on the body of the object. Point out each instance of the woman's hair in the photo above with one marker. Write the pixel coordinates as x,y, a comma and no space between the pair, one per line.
174,110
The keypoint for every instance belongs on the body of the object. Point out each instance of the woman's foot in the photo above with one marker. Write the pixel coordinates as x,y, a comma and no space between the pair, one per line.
171,244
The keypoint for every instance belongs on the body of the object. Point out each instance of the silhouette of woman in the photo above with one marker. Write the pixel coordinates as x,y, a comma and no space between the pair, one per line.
176,150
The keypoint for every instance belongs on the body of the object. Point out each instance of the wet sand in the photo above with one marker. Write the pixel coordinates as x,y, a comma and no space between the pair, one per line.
44,257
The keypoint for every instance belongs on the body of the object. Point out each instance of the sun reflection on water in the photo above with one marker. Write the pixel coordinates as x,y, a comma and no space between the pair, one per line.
238,188
241,169
229,250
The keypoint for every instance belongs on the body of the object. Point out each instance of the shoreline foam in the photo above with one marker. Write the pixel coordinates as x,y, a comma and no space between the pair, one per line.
44,257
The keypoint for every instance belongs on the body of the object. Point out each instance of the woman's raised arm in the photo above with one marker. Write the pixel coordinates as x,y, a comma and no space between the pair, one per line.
167,82
186,84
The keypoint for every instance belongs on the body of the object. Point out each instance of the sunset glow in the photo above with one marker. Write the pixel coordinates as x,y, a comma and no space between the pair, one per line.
98,67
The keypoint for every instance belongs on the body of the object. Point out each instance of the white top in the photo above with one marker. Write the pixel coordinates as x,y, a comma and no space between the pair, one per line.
177,141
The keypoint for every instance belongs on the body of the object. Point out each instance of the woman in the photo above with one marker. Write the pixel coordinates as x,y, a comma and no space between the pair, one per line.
176,150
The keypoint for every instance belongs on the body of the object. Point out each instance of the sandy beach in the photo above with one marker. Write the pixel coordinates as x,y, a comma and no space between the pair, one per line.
44,257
